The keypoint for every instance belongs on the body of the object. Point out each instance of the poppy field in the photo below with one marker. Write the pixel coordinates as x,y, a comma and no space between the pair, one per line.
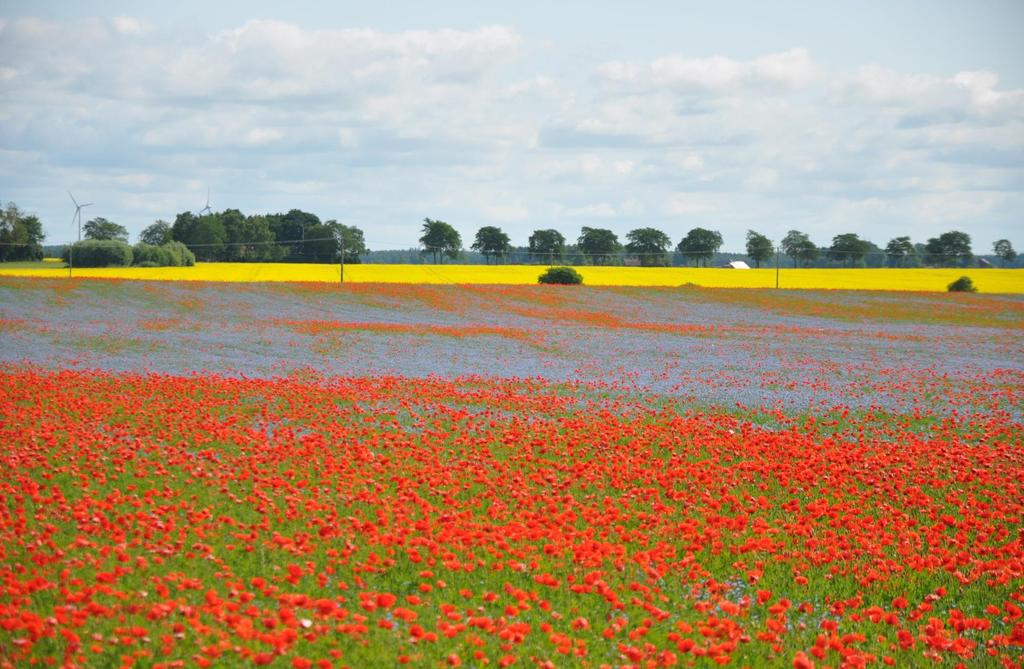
387,475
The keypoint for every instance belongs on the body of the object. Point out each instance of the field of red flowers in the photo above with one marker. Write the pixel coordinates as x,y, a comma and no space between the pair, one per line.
167,519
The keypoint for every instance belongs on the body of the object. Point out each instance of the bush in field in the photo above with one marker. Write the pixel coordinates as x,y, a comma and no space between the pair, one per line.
181,254
561,275
147,255
171,254
962,285
98,253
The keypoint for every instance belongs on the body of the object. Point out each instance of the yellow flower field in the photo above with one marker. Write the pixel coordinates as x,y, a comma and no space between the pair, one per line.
987,280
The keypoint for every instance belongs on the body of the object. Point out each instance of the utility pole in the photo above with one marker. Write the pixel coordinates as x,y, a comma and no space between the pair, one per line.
342,260
778,258
71,258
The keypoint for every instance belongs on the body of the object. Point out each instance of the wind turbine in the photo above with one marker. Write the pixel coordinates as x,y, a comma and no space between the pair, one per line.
206,209
77,218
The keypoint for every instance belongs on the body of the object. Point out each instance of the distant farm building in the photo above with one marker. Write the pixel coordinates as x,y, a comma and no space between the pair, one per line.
735,264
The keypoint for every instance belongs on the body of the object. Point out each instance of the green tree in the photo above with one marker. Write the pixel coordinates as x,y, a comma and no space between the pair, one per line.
849,248
791,244
598,244
292,228
157,234
808,252
350,238
650,244
181,229
204,235
491,241
949,248
101,229
798,246
700,245
759,248
1004,249
439,240
249,238
900,252
547,245
321,244
21,235
875,255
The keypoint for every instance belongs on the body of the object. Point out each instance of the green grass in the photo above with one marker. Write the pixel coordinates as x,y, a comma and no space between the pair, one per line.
53,264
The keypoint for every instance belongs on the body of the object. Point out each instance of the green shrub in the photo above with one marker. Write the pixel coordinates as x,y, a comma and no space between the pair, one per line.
147,255
98,253
962,285
171,254
561,275
181,254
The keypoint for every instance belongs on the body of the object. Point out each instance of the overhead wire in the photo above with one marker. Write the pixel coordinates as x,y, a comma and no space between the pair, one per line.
566,254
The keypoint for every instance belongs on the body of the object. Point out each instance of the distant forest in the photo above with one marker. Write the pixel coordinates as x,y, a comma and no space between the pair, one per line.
299,236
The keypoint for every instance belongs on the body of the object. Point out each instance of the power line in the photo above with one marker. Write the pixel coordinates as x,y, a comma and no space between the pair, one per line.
572,251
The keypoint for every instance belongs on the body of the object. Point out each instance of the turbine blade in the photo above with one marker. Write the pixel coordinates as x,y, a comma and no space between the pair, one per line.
88,204
72,198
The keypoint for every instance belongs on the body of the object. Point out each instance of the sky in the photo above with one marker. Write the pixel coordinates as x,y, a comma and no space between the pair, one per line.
879,118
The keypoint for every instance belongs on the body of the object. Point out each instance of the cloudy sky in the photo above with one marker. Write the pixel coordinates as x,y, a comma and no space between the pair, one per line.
825,117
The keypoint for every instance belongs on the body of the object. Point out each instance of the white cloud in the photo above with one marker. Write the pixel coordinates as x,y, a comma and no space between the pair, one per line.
966,94
300,187
347,138
597,210
260,60
777,72
513,211
624,166
619,71
954,206
127,25
763,178
261,136
685,204
691,161
134,180
384,128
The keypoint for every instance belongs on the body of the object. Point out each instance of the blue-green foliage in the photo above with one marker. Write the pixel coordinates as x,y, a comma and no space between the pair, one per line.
962,285
562,275
98,253
171,254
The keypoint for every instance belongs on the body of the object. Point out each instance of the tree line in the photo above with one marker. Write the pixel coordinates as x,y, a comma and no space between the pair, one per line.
21,235
299,236
227,236
230,236
650,247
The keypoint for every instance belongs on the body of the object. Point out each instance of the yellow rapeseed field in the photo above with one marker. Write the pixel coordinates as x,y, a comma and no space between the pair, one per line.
987,280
